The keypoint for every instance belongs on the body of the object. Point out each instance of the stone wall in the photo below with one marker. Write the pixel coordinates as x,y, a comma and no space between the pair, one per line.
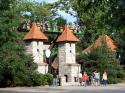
67,53
68,68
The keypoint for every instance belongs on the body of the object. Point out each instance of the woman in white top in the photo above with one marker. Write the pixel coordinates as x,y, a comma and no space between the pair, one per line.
97,78
105,78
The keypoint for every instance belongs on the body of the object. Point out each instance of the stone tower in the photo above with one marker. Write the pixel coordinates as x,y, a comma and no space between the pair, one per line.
68,68
34,44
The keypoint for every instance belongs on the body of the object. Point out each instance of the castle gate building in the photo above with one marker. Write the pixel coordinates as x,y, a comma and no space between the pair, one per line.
68,68
34,44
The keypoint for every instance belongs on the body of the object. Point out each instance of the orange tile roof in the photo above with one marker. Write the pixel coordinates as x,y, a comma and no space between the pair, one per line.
110,43
67,35
35,34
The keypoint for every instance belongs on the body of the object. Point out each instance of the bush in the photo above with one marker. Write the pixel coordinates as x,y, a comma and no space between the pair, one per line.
121,75
33,79
18,82
37,78
23,79
113,80
48,79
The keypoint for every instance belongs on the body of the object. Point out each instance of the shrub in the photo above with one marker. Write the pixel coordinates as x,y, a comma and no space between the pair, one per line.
23,79
37,78
121,75
32,79
112,80
48,79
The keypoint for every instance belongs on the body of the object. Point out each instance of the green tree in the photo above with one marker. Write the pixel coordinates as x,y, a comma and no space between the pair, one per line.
29,11
60,21
16,67
94,15
103,59
97,17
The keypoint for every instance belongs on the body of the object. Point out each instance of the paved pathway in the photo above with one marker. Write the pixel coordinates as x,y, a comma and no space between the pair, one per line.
118,88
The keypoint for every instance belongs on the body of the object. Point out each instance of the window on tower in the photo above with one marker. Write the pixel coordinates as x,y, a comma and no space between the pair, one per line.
70,48
37,50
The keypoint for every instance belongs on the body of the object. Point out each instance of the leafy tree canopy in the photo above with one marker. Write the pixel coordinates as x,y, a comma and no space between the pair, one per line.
103,59
16,67
97,17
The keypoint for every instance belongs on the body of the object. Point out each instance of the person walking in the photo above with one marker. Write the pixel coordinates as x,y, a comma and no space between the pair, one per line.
105,78
80,79
97,78
84,78
92,79
55,79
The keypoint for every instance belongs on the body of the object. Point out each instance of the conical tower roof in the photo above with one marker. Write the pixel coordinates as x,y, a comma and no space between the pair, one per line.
110,43
67,36
35,34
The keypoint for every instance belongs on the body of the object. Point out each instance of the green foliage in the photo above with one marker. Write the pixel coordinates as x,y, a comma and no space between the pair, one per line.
97,17
35,79
34,10
103,59
47,79
16,67
60,21
32,79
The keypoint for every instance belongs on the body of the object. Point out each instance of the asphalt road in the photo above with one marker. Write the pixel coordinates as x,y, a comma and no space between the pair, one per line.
120,88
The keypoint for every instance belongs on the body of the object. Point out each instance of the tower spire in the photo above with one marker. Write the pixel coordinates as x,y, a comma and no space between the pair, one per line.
67,35
35,34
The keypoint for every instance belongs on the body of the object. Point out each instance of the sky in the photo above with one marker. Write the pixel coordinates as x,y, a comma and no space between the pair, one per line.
66,16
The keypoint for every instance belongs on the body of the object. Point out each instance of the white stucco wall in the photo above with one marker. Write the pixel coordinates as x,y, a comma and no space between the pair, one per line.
43,68
36,49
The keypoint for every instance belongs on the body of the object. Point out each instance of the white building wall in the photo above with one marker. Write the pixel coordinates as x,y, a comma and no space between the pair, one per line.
70,53
67,53
75,70
62,53
46,47
36,49
43,68
67,63
40,52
